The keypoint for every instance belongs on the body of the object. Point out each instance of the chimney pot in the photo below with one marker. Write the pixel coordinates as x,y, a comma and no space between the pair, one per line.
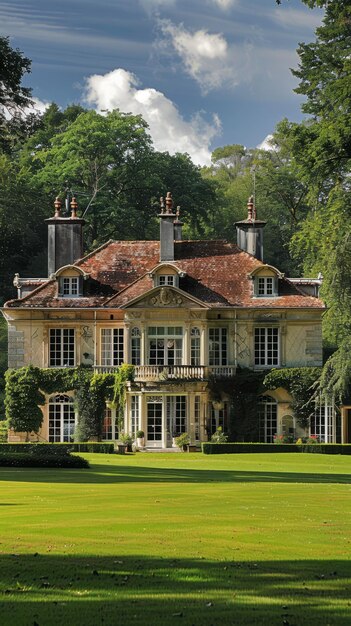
57,205
74,207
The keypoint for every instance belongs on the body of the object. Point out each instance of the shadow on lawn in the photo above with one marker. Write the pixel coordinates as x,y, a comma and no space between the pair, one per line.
47,589
109,473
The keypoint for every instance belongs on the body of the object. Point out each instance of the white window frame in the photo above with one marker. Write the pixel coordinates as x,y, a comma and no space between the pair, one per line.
70,286
166,335
218,356
112,433
134,415
195,346
323,422
62,348
266,342
265,286
268,418
62,419
166,280
112,346
135,345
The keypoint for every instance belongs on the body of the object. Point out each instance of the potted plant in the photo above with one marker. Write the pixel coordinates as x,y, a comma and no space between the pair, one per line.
127,441
140,438
183,441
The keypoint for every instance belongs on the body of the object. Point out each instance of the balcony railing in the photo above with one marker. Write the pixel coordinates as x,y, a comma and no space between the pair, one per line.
152,373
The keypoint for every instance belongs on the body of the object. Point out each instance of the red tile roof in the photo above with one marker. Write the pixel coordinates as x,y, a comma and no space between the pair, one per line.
216,273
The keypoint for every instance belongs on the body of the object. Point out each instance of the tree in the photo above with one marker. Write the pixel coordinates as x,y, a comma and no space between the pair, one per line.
13,65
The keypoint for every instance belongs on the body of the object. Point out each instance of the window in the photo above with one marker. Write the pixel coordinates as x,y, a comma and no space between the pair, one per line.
323,423
61,347
69,286
217,346
265,286
195,346
218,419
109,426
176,415
266,346
61,419
267,415
197,416
134,415
135,345
165,279
165,345
112,343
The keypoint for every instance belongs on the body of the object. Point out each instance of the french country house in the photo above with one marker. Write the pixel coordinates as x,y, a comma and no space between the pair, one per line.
187,314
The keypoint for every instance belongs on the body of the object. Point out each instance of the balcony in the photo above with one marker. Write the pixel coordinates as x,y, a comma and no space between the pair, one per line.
156,373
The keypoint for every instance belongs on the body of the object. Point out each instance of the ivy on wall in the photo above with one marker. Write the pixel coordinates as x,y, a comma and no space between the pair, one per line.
25,389
302,384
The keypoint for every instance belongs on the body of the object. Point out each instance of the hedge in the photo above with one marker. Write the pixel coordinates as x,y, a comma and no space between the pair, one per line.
23,459
237,448
57,449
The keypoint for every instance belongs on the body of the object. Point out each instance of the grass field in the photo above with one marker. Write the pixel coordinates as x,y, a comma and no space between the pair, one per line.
178,539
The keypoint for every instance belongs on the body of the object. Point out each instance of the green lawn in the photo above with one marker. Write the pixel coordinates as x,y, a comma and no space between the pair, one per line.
178,539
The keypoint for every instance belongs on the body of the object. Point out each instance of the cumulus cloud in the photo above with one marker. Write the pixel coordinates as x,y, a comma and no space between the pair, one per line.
206,57
168,129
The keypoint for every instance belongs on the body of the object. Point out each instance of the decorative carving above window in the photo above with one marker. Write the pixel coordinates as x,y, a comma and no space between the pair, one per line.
166,297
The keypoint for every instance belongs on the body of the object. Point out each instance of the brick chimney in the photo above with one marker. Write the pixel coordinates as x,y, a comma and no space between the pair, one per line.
167,218
250,232
178,225
65,236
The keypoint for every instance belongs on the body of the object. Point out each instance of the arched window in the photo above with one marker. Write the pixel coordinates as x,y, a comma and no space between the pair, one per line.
267,412
135,345
195,346
61,419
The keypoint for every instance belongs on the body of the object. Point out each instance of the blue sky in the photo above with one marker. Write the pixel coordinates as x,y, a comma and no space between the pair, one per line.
203,73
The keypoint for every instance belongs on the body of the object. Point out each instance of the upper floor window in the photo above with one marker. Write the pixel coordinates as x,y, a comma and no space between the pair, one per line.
266,346
217,346
61,347
69,286
265,286
168,280
195,346
112,346
165,345
135,345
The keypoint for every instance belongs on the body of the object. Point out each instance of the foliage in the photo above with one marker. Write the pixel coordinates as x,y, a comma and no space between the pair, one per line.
219,436
126,439
47,449
23,399
140,434
122,376
301,382
182,440
4,426
13,66
22,459
245,448
335,380
25,388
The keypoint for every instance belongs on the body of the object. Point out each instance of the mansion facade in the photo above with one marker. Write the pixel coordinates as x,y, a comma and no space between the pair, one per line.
186,314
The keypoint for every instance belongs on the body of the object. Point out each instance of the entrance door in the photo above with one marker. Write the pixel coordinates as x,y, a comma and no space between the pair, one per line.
154,422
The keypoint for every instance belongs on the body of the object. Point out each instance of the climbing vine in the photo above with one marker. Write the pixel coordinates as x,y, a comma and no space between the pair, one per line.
302,383
25,389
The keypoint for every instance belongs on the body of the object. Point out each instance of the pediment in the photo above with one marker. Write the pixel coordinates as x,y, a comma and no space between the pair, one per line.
163,298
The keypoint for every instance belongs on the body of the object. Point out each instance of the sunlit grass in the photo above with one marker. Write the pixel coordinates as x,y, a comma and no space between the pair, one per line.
159,538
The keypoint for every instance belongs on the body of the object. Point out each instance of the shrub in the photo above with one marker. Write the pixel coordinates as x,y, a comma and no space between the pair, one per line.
242,448
47,449
23,459
219,436
182,440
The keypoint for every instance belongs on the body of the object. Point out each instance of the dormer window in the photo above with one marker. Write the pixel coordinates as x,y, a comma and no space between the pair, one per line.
168,280
70,286
265,286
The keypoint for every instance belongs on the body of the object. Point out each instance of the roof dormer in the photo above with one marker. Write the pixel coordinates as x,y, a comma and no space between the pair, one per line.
166,275
266,281
70,281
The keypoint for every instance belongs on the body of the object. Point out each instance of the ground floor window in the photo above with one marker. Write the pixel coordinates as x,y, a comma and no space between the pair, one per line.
135,415
326,423
61,419
267,414
218,419
109,426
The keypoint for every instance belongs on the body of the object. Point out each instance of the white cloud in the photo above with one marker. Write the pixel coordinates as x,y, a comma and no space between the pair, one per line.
298,18
267,144
38,107
169,131
224,4
206,57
